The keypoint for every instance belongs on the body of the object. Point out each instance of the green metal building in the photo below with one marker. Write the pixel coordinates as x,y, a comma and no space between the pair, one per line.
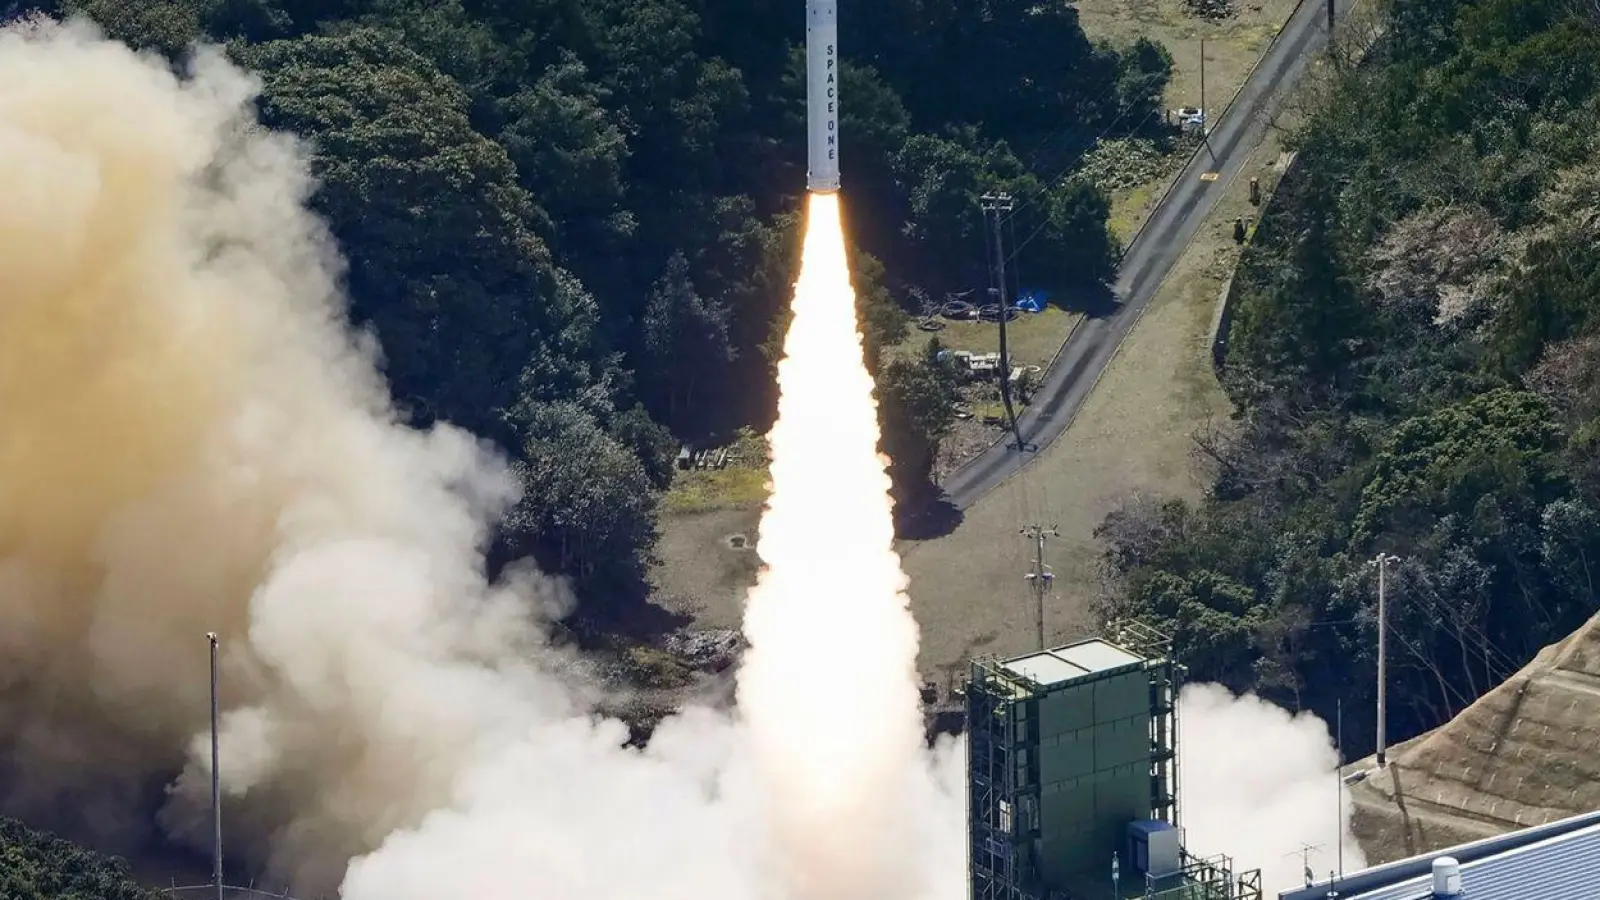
1072,757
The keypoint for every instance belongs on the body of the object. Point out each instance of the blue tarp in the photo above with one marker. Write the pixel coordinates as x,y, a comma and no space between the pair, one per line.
1032,301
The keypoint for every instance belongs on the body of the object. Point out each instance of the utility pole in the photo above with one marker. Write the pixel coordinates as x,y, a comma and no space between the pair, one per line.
1205,114
995,206
216,779
1383,561
1330,17
1338,779
1041,577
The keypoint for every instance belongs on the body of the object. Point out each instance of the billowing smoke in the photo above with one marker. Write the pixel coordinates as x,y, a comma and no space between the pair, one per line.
1258,784
193,440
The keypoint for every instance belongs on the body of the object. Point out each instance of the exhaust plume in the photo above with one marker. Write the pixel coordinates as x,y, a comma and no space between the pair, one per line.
1259,785
194,440
828,688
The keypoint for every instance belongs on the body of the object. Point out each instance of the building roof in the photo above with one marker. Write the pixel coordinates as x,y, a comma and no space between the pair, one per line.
1558,861
1074,661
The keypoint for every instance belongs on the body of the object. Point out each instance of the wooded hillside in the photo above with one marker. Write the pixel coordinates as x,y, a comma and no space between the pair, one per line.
38,866
1415,362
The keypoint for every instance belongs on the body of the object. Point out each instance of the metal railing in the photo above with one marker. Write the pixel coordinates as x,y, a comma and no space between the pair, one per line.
228,892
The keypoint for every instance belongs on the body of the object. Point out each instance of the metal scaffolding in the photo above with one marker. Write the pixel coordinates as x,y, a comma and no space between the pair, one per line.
992,791
1166,681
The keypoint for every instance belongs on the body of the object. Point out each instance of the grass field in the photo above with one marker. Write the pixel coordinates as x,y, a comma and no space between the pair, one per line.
1134,432
1232,45
1032,338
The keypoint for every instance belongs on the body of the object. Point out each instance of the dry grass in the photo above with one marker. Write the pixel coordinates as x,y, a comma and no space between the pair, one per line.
1130,208
1232,45
736,487
1133,434
700,573
1032,338
741,485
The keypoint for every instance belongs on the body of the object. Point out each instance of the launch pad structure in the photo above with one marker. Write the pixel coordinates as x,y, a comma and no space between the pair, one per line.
1073,777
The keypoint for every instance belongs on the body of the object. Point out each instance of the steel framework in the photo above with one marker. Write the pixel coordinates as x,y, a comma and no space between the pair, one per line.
1004,802
992,792
1166,680
231,891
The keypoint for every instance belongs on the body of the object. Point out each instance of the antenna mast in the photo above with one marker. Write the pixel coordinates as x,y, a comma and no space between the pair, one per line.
1305,861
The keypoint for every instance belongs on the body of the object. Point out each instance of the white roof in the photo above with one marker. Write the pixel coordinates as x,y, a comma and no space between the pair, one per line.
1070,662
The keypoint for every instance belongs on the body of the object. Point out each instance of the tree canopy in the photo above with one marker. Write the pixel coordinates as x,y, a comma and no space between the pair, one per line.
1412,363
39,866
573,226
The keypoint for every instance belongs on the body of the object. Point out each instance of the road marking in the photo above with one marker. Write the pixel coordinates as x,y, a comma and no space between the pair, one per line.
1209,176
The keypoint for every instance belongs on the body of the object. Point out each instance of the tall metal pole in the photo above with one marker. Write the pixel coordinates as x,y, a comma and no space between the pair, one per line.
1338,774
216,779
996,204
1382,562
1041,577
1205,114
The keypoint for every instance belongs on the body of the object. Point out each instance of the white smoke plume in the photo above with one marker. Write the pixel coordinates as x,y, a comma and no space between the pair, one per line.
191,439
1258,784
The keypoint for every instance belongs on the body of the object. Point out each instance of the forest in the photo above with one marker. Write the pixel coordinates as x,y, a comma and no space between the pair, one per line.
1415,364
38,866
572,224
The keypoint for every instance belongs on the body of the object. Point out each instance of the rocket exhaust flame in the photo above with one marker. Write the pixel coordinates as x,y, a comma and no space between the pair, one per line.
828,688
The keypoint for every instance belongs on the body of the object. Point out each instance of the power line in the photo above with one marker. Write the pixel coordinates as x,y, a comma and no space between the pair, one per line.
1045,223
1046,181
1068,120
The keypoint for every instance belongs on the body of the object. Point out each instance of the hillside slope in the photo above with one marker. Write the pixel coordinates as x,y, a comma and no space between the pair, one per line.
1523,754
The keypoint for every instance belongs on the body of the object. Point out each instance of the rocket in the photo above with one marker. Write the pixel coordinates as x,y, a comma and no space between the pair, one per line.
822,96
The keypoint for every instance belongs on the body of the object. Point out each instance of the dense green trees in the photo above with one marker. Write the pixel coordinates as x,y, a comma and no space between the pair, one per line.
1414,363
917,414
557,210
39,866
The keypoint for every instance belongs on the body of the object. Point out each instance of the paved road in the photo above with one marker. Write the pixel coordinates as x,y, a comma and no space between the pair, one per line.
1151,256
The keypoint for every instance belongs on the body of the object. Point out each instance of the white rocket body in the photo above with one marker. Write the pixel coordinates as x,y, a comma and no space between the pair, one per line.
822,95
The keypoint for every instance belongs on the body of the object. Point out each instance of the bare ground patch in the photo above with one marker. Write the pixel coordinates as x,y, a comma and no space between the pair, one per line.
1233,44
1133,434
704,569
